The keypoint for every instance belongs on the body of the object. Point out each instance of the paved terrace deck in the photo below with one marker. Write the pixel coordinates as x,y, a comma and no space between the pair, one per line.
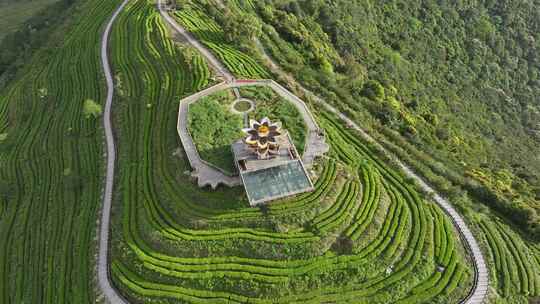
212,176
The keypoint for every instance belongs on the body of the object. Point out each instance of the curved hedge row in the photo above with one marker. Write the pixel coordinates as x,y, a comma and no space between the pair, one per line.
517,270
51,165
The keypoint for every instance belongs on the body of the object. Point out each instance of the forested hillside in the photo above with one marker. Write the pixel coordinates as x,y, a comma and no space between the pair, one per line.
453,85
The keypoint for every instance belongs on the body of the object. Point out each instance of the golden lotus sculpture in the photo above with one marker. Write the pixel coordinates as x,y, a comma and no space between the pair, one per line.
262,137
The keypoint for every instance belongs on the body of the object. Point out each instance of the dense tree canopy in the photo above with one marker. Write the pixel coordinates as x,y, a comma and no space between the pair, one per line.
240,27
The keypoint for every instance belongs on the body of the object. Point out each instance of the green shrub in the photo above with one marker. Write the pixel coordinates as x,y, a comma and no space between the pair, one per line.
91,109
214,128
373,90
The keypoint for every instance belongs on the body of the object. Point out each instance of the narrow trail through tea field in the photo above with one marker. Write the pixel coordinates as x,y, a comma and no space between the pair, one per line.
105,285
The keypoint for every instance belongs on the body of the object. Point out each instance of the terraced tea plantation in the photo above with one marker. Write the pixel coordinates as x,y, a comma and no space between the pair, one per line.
51,167
212,36
364,234
515,262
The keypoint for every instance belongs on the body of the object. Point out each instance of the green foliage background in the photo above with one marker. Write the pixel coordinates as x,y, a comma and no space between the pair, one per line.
455,84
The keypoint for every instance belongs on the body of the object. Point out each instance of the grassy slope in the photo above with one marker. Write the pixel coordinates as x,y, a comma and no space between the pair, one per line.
51,163
14,13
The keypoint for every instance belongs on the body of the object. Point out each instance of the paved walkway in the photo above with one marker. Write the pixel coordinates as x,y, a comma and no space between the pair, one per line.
105,285
212,60
210,175
478,293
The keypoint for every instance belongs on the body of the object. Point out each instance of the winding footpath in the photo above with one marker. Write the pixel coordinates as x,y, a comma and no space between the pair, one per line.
212,60
479,291
111,295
